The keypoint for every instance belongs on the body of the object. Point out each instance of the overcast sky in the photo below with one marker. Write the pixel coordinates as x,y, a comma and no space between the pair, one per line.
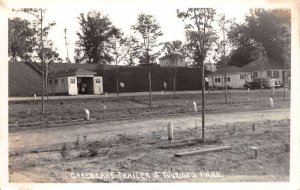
124,15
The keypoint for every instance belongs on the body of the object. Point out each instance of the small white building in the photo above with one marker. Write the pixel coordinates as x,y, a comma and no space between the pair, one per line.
75,81
178,61
236,77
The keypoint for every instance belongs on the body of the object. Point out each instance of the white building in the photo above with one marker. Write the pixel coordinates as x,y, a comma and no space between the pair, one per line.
236,77
75,81
178,61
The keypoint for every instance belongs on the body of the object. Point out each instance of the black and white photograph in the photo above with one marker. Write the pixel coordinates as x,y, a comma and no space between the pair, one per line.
150,92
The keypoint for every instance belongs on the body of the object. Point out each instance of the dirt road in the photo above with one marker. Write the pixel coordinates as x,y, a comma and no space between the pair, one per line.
23,141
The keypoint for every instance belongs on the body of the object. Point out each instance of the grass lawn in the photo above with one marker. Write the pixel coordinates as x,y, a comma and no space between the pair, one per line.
71,111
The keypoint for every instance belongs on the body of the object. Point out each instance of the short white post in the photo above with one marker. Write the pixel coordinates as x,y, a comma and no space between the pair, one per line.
195,106
34,96
271,102
105,94
170,131
248,89
104,107
162,92
87,114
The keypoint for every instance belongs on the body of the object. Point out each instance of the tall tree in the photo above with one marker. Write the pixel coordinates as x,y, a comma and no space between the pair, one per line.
264,26
199,22
41,44
20,39
133,50
148,31
96,37
174,50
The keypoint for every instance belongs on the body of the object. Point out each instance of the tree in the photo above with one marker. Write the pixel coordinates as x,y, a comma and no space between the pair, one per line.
198,21
122,48
264,26
41,43
174,50
148,31
20,39
133,50
96,37
223,44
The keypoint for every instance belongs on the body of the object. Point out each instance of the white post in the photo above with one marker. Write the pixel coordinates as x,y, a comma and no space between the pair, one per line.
195,106
248,89
271,102
162,92
105,94
34,96
170,131
104,107
87,114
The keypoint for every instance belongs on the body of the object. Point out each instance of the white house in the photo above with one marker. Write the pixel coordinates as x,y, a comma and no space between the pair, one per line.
236,77
166,61
75,81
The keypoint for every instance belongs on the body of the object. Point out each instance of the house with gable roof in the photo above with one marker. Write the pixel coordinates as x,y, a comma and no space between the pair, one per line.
237,77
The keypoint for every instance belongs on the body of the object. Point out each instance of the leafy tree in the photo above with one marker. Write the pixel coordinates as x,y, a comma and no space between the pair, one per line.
198,21
267,27
42,46
174,50
20,39
96,38
223,49
148,31
133,50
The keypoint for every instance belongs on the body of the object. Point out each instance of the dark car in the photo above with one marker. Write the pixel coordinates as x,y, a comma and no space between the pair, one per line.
256,83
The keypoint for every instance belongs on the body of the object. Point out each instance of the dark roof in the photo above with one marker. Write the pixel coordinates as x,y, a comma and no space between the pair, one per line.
256,65
74,71
169,56
229,69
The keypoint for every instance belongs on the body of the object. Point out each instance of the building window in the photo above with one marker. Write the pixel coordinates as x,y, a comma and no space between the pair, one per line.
255,75
228,79
269,73
276,74
72,81
242,76
217,79
55,81
98,80
50,81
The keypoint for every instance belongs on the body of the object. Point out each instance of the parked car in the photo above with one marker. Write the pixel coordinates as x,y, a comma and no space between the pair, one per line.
257,82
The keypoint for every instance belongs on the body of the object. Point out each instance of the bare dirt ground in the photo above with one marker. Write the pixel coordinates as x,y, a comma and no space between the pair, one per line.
130,151
126,140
